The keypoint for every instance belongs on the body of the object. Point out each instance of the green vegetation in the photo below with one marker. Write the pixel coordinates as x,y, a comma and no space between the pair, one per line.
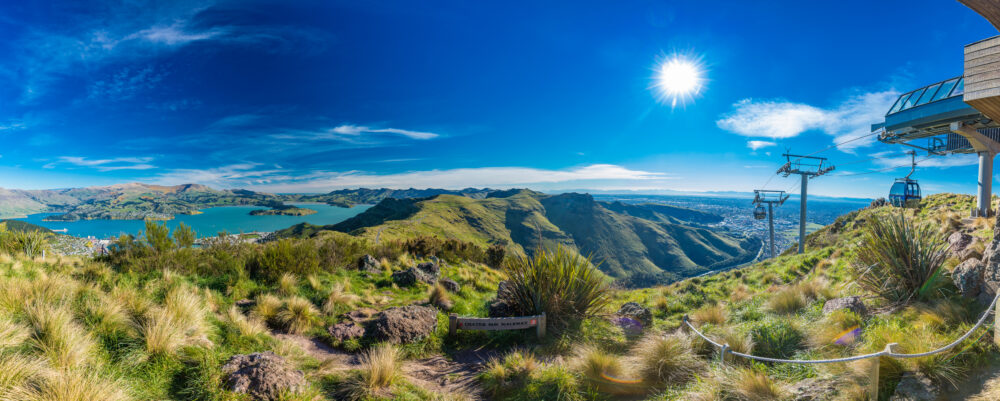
900,261
283,211
157,318
641,246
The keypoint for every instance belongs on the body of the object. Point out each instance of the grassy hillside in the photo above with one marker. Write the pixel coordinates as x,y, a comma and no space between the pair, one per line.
642,244
142,201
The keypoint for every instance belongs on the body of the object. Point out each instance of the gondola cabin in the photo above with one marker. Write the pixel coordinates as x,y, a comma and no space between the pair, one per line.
904,193
760,213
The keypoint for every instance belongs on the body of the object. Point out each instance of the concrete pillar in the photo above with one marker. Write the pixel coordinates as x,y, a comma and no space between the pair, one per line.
984,198
802,214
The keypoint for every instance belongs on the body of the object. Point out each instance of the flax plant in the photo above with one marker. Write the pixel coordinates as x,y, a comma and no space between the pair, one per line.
898,260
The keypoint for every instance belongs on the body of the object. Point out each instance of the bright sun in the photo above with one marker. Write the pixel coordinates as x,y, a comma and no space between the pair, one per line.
678,78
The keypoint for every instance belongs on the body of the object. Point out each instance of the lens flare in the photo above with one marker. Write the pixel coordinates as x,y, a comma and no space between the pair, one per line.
848,336
678,78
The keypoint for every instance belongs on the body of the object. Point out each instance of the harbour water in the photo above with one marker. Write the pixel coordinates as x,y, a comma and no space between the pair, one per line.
231,219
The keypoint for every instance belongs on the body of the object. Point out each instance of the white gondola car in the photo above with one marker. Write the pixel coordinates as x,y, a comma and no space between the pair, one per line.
760,213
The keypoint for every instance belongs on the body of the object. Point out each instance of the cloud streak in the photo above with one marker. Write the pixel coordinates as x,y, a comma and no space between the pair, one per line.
355,130
779,119
104,165
755,145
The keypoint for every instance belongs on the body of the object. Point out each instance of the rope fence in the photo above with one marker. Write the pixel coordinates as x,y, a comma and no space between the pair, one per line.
887,352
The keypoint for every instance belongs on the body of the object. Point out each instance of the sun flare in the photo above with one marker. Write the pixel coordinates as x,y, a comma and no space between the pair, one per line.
678,78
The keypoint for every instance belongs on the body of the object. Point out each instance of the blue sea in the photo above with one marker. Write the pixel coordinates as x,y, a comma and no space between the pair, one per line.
231,219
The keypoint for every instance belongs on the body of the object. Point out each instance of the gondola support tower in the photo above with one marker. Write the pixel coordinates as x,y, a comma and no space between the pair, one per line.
807,167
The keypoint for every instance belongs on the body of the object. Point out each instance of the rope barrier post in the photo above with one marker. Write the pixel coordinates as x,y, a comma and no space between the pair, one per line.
873,383
540,326
722,354
684,324
996,324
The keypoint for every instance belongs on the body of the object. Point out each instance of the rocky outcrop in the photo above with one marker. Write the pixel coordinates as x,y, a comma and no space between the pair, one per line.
503,305
360,315
990,272
369,264
852,303
450,285
915,386
636,312
345,331
968,277
262,376
425,272
958,241
401,325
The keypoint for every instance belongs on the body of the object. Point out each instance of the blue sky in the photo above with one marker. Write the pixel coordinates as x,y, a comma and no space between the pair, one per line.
550,95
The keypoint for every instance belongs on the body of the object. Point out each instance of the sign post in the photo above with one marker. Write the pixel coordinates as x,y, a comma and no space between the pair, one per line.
456,323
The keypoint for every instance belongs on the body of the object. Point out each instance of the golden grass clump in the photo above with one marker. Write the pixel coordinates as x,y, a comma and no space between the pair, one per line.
438,296
710,314
740,293
314,282
836,326
106,313
288,284
267,306
132,299
665,360
161,332
188,310
19,376
247,325
751,385
340,295
380,369
82,385
58,336
12,334
787,300
298,315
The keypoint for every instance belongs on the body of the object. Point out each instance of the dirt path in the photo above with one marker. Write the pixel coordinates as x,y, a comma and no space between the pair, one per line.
437,374
974,384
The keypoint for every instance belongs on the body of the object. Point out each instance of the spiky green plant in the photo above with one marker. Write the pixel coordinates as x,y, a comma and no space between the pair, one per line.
561,283
899,260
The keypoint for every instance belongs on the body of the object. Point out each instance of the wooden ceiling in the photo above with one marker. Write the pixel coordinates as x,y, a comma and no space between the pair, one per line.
989,9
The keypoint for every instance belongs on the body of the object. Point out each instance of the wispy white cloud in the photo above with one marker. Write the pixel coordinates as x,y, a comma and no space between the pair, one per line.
126,83
113,164
277,180
175,34
779,119
759,144
887,160
355,130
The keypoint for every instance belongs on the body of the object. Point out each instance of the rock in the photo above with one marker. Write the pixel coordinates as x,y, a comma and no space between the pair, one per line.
402,325
970,253
345,331
245,303
263,376
968,277
450,285
424,272
991,272
360,315
502,308
915,386
852,303
636,312
878,202
504,290
814,389
958,241
368,263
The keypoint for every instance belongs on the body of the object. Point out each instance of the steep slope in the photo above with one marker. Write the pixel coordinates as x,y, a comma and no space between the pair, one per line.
351,197
663,213
639,250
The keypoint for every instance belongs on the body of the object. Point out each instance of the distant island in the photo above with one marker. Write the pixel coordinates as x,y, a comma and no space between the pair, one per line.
285,211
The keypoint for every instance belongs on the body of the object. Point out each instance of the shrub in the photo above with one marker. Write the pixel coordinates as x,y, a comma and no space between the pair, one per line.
298,315
495,255
285,256
788,300
563,285
158,236
711,314
776,338
380,368
184,236
666,360
898,260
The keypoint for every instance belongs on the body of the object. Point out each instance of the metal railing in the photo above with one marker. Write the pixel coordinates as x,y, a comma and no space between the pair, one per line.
887,352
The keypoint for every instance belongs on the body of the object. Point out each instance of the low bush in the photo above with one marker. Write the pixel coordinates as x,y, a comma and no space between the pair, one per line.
665,360
899,260
776,338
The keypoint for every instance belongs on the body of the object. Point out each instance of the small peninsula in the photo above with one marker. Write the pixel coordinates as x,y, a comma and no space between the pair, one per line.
290,211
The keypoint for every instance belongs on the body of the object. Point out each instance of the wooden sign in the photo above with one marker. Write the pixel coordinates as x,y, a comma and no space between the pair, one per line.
497,323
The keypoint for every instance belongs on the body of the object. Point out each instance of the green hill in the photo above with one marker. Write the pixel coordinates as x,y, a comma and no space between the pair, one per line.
641,244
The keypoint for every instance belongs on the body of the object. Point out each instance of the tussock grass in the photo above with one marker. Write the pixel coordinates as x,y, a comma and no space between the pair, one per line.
314,282
20,376
188,310
12,334
438,296
787,301
106,313
503,375
267,307
247,325
665,360
298,315
288,284
710,314
751,385
82,385
340,297
161,332
58,336
739,294
380,369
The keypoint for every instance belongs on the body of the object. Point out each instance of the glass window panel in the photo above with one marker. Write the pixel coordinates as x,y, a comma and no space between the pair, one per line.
931,90
912,101
959,88
945,89
899,103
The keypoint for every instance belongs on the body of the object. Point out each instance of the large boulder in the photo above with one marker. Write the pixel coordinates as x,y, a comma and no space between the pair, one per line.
991,271
262,376
368,263
636,312
915,386
345,331
852,303
968,277
958,241
402,325
431,271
